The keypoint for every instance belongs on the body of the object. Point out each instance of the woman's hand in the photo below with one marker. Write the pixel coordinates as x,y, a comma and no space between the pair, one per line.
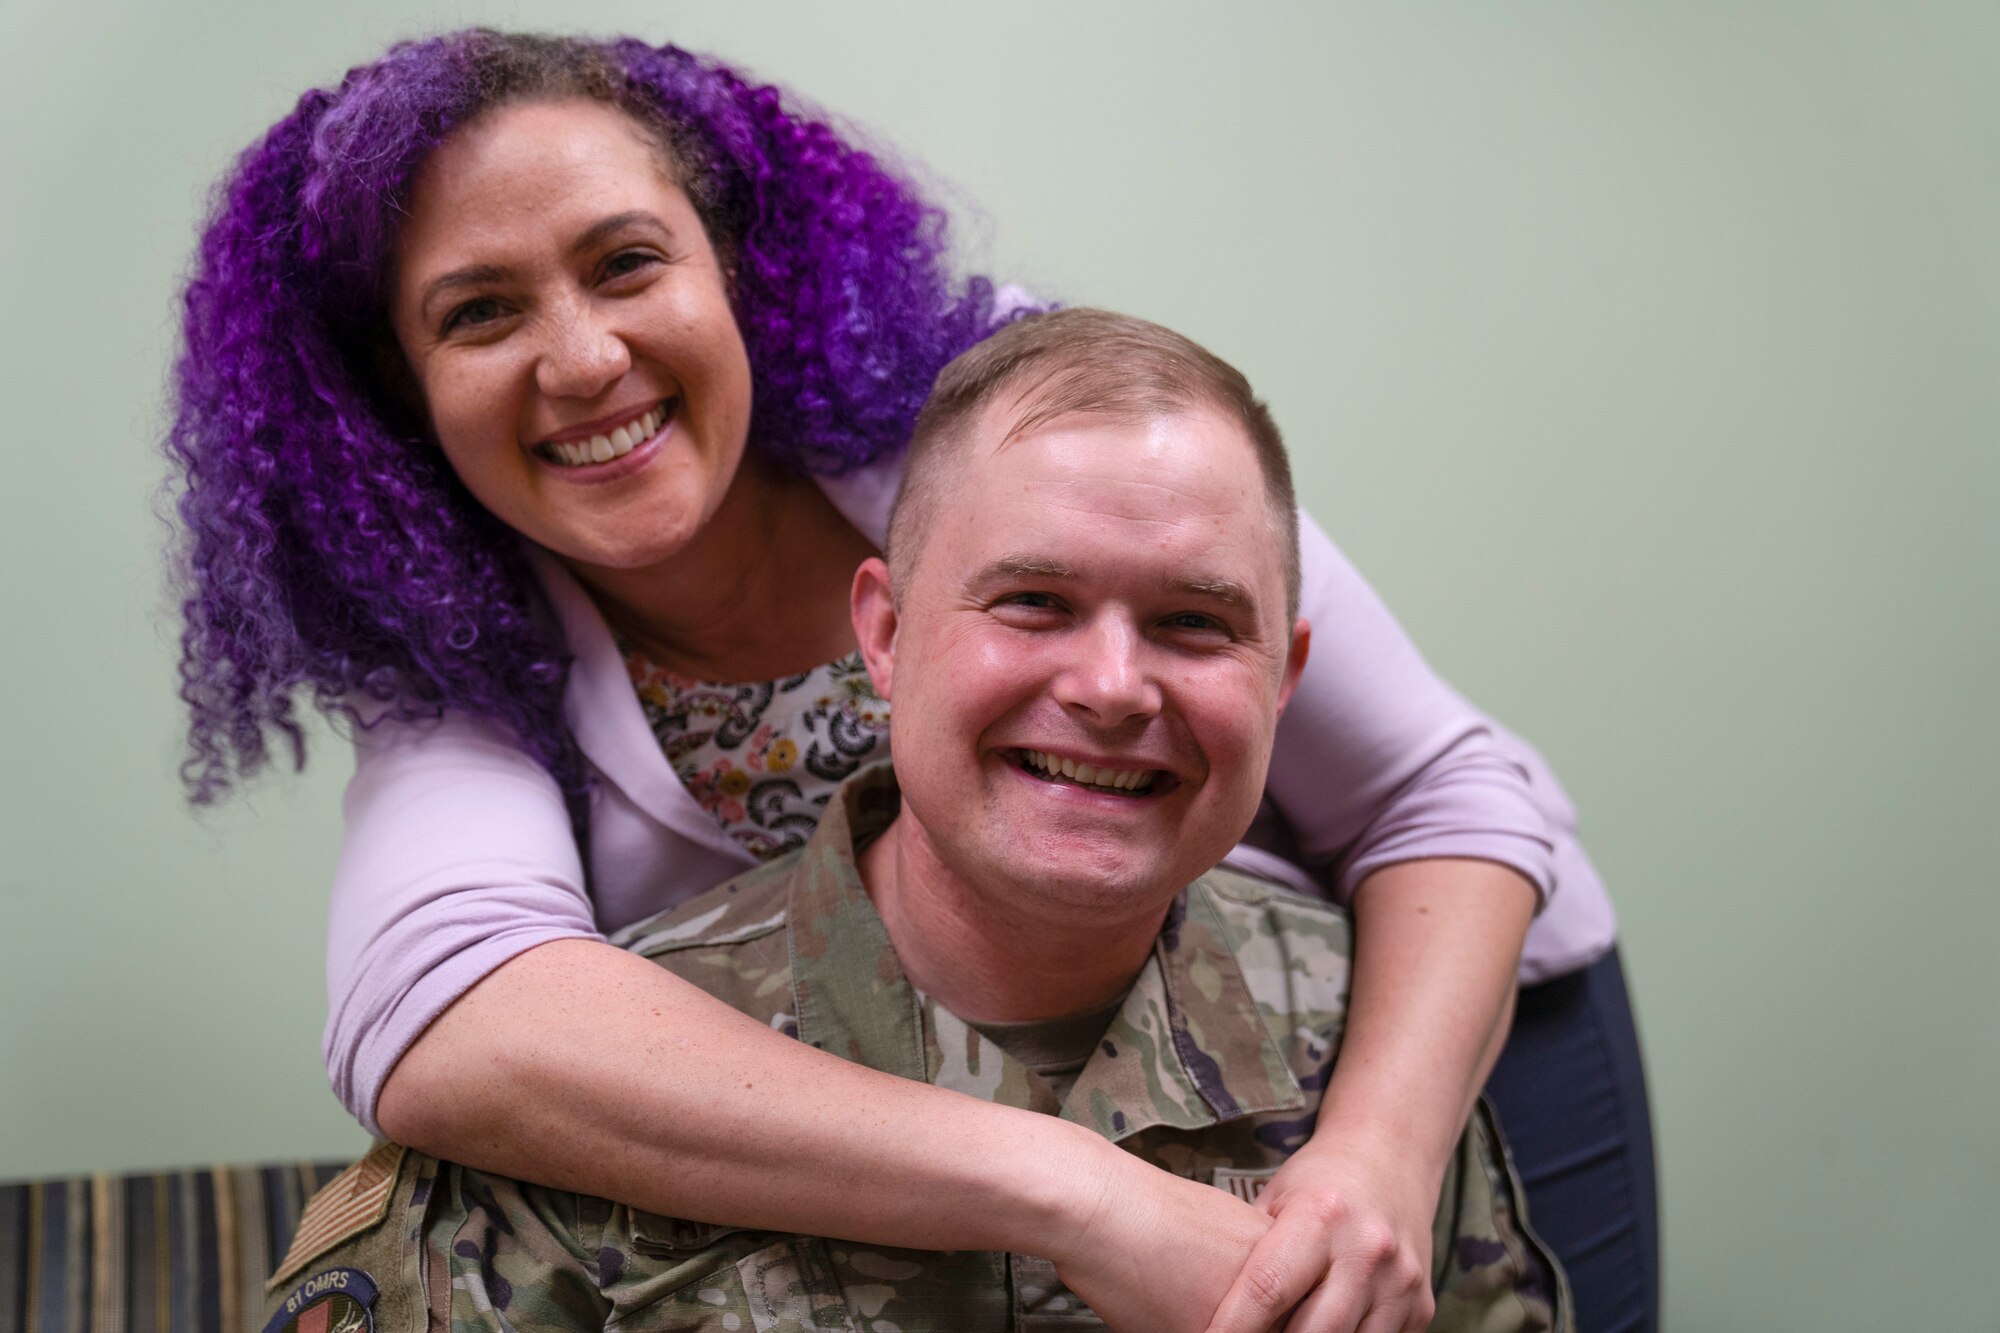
1349,1247
1436,943
1154,1252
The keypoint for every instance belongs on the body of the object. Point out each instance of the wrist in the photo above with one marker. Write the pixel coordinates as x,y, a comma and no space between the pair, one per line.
1059,1201
1393,1144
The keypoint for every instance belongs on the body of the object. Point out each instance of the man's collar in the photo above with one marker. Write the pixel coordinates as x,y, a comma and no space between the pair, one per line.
848,991
1188,1049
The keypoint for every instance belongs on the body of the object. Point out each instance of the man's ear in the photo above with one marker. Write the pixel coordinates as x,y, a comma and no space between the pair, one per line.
1295,662
872,606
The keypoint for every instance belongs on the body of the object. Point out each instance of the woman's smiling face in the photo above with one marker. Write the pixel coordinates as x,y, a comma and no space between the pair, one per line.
568,324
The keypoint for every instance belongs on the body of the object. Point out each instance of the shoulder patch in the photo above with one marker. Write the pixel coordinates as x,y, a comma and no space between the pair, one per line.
349,1204
340,1300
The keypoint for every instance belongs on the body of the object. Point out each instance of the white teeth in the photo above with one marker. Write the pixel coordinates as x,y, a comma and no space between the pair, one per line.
604,448
1116,780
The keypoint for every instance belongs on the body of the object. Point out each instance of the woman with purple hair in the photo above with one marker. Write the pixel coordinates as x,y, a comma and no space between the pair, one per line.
532,386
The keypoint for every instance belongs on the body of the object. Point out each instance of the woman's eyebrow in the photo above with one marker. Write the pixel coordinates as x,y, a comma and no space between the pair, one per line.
598,232
473,275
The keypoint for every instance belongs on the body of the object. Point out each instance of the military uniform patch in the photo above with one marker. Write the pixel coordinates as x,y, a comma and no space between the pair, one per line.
1245,1185
349,1204
340,1300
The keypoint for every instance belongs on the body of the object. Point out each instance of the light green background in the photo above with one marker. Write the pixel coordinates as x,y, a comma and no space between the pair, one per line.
1644,357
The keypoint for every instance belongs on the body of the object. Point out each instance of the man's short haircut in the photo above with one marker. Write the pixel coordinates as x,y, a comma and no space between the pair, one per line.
1083,362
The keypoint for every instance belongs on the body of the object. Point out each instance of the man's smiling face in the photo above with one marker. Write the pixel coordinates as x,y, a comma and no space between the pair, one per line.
1088,655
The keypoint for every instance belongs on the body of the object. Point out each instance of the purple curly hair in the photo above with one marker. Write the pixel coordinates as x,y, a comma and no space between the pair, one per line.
327,544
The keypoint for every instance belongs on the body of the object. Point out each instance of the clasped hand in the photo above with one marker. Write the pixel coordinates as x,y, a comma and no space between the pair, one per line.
1337,1243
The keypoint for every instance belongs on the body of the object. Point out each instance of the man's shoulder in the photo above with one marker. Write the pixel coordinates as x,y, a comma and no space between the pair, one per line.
737,911
730,942
1251,904
1295,951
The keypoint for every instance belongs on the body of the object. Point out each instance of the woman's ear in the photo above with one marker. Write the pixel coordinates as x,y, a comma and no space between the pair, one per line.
871,605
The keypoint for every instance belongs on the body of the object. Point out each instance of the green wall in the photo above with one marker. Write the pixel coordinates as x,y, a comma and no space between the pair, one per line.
1644,357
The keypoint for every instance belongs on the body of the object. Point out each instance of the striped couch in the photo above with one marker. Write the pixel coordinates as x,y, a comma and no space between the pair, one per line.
177,1252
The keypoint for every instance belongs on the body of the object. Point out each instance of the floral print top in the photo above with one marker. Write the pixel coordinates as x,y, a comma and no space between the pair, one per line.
764,759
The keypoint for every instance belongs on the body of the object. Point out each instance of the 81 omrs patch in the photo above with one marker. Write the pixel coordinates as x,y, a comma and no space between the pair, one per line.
340,1300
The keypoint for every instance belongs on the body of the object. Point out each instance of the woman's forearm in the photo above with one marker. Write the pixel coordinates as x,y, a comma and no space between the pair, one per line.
581,1066
1435,949
1437,943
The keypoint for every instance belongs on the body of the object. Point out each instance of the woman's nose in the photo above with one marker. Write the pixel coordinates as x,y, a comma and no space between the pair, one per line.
1109,679
581,358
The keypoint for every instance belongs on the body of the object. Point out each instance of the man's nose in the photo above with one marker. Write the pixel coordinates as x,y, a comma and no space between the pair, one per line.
581,356
1110,679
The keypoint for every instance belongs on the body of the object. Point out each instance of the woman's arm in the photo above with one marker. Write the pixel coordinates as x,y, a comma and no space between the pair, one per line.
581,1066
1436,944
1388,776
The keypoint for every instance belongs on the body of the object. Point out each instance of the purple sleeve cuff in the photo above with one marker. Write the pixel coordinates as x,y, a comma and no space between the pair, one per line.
1377,760
363,1043
1469,801
457,856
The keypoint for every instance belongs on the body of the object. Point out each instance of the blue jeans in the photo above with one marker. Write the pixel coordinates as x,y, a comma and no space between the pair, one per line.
1571,1095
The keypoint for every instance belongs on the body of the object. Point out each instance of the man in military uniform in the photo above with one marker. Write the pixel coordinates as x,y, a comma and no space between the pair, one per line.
1086,628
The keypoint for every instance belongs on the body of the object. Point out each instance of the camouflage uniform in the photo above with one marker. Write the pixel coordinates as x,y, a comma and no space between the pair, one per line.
1212,1069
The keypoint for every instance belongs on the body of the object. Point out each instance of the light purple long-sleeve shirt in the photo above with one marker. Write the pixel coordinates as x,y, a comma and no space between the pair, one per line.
458,853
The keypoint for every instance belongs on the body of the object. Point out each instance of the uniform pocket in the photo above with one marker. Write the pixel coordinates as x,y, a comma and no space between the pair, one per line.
674,1237
506,1255
790,1286
743,1280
